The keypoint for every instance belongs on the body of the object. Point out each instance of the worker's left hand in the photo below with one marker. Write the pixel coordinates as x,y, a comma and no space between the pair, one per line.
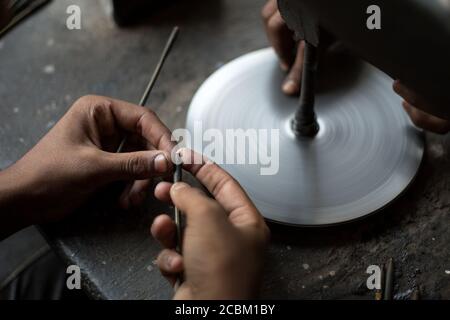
224,239
78,157
415,105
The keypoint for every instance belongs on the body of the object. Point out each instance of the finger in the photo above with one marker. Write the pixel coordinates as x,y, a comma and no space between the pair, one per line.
162,191
269,9
226,190
199,209
169,262
281,39
163,230
124,199
139,192
292,84
135,166
184,293
133,119
136,143
144,122
171,279
219,183
426,121
409,95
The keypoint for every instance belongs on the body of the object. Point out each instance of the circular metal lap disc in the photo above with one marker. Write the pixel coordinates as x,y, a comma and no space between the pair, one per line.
366,153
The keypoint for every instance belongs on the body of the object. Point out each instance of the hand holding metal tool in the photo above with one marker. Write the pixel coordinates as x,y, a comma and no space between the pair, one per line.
178,177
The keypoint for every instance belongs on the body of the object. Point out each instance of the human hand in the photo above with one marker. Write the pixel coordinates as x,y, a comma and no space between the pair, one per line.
290,52
224,240
78,157
414,106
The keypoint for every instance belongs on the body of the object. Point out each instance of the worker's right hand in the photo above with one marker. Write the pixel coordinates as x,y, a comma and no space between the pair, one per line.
417,107
290,52
224,240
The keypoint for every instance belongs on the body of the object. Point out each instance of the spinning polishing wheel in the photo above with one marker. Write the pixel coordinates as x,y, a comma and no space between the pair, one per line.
347,150
365,153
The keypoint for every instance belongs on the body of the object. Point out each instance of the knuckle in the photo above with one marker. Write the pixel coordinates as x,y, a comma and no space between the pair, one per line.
94,104
160,260
136,166
163,255
85,100
146,116
98,108
149,113
220,179
266,12
275,23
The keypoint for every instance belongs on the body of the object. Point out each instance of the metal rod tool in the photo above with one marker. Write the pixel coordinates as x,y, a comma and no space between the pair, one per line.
305,121
178,177
389,285
21,10
379,294
151,84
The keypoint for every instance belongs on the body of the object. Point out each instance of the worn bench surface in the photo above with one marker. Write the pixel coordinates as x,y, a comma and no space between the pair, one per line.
45,67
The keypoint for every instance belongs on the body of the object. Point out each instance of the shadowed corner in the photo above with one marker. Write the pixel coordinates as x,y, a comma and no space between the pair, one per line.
137,12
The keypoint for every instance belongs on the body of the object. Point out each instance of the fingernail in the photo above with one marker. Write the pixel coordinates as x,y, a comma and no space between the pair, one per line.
169,262
178,186
160,163
290,87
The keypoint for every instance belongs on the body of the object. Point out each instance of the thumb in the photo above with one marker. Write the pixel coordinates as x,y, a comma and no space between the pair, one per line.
196,205
138,165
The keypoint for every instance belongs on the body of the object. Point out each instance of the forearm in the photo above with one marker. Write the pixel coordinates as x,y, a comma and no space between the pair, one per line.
13,203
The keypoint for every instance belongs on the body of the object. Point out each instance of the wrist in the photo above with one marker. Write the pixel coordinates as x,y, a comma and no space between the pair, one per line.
237,285
15,201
